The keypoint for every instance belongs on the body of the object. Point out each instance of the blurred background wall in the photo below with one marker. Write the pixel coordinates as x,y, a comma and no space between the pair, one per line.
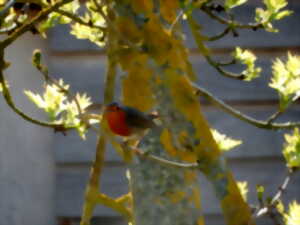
43,175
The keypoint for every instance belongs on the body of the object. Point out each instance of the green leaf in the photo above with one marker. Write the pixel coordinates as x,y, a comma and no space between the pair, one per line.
275,5
243,187
229,4
280,207
274,11
95,35
260,192
282,14
56,18
247,58
225,143
291,149
71,117
84,32
36,99
52,101
286,80
293,215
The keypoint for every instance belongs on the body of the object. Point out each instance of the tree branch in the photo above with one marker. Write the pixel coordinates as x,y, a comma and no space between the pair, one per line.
257,123
8,98
219,36
165,162
79,20
230,23
274,116
217,66
27,26
113,204
93,185
269,206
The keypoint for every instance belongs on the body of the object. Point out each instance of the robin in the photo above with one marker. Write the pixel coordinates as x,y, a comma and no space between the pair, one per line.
127,121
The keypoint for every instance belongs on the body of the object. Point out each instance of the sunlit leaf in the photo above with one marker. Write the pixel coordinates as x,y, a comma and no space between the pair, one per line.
85,32
229,4
293,215
291,149
225,143
55,18
286,80
280,207
247,58
243,187
274,11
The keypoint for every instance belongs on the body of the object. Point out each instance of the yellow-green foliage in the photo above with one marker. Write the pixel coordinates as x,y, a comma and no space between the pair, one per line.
291,150
243,187
59,108
247,58
286,80
274,11
292,217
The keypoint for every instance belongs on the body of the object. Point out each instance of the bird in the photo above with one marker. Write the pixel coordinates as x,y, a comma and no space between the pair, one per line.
128,122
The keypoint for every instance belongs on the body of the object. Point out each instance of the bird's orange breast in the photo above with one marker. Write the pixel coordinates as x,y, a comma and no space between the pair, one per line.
117,123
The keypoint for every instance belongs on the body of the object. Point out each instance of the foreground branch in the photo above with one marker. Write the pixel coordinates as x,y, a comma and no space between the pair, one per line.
93,186
258,123
27,26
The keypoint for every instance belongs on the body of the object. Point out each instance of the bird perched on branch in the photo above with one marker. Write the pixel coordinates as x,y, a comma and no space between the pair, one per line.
127,121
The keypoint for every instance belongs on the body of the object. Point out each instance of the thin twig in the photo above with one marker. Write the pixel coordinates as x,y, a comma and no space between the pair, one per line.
27,26
171,28
165,162
113,204
8,98
79,20
230,23
219,36
274,116
257,123
281,189
224,72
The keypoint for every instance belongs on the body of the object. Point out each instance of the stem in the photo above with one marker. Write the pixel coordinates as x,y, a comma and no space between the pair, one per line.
281,189
223,72
27,26
165,162
113,204
274,116
8,98
230,23
78,19
257,123
93,187
219,36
